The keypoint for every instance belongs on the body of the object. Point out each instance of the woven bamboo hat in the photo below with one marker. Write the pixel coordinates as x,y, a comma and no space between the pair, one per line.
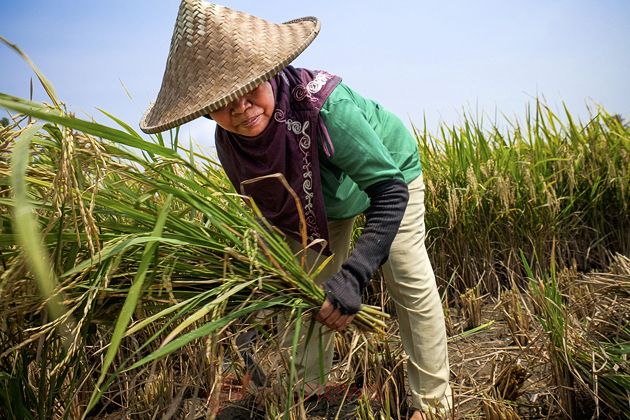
217,55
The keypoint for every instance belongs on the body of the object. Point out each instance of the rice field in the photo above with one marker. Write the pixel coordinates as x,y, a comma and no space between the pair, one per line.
128,266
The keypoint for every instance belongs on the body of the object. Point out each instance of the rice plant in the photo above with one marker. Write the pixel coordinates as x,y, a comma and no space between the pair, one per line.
589,337
139,248
550,184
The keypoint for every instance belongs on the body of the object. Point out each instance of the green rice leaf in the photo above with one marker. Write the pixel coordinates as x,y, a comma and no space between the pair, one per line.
119,247
230,290
48,87
43,112
121,123
207,329
26,225
131,301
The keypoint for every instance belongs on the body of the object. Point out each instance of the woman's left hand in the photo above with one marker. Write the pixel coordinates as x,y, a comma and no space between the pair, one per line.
333,318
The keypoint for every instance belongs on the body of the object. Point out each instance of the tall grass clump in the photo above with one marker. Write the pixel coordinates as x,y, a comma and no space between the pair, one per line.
125,265
587,324
549,185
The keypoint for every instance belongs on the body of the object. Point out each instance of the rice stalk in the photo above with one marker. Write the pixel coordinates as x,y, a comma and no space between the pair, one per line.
539,186
470,303
516,315
586,362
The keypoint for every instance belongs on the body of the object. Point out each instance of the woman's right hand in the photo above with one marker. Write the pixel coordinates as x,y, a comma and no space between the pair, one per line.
332,317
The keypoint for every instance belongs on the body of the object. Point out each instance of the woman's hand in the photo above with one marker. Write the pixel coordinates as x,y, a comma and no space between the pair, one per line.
333,318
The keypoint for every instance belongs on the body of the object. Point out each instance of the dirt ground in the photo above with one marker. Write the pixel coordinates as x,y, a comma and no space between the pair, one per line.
480,364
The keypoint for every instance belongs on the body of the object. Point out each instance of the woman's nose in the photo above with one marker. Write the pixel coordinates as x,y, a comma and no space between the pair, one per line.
240,105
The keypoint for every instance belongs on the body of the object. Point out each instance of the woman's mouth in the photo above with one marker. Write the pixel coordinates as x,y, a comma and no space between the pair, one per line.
251,122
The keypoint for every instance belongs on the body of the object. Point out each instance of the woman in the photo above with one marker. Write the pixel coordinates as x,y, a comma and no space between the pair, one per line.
341,153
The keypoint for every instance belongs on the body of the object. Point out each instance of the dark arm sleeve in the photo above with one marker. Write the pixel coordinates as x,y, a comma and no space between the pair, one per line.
388,200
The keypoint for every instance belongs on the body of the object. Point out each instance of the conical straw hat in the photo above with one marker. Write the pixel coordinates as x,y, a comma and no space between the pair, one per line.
217,55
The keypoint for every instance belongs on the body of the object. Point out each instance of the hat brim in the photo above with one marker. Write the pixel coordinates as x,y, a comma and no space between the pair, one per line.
203,94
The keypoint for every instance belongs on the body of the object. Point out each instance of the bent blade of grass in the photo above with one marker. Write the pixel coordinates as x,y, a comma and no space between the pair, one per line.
46,113
48,87
167,311
472,331
222,298
131,301
117,248
121,123
292,369
26,226
207,329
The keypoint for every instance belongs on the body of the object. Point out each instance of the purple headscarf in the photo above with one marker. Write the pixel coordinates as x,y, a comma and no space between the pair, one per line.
289,146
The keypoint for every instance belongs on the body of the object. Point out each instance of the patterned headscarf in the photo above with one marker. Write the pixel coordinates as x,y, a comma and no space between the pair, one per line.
288,146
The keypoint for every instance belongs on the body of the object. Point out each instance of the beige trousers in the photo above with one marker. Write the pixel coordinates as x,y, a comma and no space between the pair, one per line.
411,284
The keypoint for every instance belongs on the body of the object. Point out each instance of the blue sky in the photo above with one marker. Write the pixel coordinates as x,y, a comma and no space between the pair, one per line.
421,59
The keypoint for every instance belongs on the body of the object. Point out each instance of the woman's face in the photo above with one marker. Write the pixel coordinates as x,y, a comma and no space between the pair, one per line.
250,114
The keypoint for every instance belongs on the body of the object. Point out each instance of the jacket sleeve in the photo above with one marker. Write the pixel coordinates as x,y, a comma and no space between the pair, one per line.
388,201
